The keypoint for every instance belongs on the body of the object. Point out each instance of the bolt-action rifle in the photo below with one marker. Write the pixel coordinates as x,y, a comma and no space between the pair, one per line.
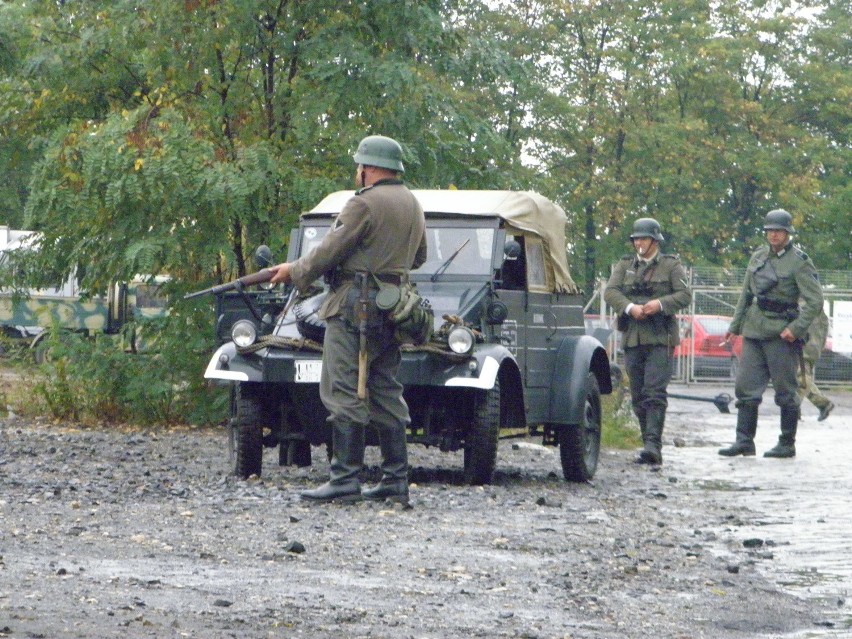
261,276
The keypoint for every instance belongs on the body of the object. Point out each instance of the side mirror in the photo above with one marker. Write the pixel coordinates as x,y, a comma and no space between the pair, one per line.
263,256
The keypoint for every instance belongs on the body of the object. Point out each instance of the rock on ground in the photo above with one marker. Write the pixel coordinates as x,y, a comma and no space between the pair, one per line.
115,532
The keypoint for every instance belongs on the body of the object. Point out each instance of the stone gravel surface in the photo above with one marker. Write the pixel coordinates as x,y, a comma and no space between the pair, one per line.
121,532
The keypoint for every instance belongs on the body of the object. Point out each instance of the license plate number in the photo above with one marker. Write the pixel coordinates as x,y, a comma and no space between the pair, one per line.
308,371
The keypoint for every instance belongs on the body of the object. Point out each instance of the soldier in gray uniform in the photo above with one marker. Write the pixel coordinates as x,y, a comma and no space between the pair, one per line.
817,334
646,290
781,296
380,234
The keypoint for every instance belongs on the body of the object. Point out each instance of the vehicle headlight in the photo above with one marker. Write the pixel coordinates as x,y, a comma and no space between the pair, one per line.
244,333
461,340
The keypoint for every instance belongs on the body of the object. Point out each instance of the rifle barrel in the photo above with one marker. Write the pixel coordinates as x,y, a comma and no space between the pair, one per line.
261,276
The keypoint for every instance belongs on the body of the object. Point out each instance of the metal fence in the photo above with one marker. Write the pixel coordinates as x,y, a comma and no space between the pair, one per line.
703,356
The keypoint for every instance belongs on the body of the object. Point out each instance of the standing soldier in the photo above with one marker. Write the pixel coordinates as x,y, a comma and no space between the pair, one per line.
378,237
646,290
817,334
781,296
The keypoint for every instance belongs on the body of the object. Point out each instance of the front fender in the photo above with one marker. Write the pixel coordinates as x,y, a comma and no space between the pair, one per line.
489,360
227,365
576,357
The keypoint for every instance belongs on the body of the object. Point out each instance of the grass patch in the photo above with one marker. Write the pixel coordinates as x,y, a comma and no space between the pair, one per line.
19,390
619,429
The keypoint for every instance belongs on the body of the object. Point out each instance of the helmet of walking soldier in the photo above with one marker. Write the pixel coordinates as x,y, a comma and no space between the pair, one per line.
778,220
647,227
378,150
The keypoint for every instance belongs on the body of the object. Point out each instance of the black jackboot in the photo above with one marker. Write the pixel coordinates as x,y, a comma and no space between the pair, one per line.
652,436
346,462
786,446
394,483
746,429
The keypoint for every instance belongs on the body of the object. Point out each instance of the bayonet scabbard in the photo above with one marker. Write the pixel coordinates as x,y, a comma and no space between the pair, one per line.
363,283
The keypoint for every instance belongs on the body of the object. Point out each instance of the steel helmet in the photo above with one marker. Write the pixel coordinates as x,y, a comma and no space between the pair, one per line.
778,219
647,227
377,150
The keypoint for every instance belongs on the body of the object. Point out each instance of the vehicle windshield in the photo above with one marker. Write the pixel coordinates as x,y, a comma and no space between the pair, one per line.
474,246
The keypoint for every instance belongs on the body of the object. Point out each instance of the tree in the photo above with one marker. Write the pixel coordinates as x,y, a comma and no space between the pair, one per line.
189,130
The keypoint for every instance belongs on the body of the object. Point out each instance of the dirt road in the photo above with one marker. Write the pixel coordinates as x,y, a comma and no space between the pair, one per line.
123,533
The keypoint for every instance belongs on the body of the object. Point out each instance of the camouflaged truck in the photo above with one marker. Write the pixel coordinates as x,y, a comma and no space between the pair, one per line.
32,316
509,355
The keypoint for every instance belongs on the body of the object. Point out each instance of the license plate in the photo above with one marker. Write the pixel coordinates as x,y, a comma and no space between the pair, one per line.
308,371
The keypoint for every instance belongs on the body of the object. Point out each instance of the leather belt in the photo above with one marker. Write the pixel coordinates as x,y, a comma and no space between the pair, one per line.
387,278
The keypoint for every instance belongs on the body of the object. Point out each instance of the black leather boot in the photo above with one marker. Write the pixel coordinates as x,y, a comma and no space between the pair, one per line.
786,446
746,429
346,462
643,430
394,483
655,419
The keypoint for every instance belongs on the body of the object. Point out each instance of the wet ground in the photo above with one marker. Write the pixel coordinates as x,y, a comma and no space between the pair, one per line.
802,507
121,532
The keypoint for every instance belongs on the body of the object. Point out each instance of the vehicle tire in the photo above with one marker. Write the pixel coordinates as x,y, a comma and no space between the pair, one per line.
295,452
480,450
310,326
580,444
44,345
249,432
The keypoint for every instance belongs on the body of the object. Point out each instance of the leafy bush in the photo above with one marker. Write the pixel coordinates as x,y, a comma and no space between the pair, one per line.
95,379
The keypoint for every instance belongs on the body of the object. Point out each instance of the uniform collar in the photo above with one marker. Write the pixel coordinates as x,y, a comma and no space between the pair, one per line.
379,183
651,260
782,251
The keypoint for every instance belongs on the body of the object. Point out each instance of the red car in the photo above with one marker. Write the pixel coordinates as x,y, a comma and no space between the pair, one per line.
703,338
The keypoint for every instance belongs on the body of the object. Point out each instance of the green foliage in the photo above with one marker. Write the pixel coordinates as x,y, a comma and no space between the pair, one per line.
174,137
619,429
95,380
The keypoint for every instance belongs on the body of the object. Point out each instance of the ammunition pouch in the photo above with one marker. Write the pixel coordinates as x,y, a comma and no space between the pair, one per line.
788,310
641,289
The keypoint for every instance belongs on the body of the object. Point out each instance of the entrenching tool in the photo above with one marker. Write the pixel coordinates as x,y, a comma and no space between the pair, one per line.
721,400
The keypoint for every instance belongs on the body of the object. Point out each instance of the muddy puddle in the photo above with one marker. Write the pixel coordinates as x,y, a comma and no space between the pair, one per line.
801,528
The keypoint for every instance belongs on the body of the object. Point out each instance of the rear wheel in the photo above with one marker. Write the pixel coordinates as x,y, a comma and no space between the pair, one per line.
580,444
248,438
480,450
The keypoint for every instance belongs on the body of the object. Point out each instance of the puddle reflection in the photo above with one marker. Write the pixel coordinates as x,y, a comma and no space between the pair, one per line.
801,508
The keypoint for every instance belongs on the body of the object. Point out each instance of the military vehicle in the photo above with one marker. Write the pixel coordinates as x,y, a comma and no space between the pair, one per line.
32,315
509,355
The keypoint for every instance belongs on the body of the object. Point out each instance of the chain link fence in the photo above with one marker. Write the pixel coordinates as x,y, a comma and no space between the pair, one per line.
704,356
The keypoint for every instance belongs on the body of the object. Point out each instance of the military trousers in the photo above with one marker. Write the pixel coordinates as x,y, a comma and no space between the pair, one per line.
384,406
650,369
808,388
763,360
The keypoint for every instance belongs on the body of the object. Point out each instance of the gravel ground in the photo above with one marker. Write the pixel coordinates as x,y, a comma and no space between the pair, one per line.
116,532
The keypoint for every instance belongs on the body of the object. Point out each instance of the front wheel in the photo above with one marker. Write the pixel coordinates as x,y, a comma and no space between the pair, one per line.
248,438
580,444
480,450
